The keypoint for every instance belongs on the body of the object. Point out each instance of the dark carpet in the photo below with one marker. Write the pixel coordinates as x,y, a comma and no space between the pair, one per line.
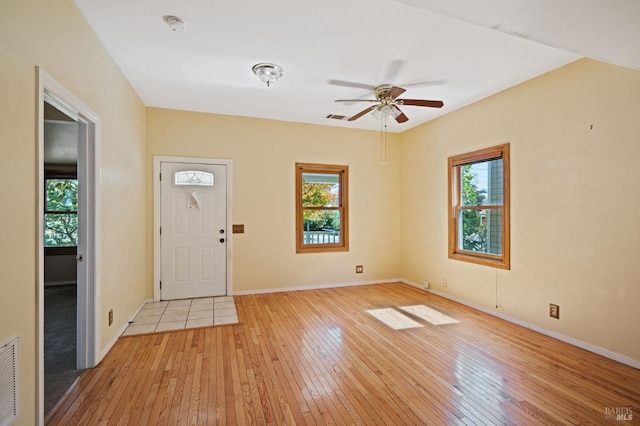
59,343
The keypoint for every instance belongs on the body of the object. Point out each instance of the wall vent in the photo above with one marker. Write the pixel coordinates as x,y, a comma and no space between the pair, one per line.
337,117
8,381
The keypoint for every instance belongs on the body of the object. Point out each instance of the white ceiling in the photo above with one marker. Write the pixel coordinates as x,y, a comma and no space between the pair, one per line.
463,50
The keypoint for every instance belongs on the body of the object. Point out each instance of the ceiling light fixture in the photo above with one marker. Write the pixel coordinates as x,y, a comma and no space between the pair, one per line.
386,111
176,24
268,73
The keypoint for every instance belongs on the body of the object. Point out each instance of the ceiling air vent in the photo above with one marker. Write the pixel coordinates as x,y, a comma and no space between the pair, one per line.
337,117
8,381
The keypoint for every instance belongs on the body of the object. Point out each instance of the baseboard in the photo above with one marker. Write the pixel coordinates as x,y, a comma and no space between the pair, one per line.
623,359
120,332
412,284
314,287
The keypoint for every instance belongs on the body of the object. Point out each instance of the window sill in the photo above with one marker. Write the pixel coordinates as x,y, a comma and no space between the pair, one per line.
323,249
60,251
491,261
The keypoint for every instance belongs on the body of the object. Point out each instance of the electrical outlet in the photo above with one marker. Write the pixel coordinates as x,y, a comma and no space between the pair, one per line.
444,282
554,311
110,317
426,284
359,269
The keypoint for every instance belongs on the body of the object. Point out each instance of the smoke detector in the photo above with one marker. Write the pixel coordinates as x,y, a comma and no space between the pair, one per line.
175,23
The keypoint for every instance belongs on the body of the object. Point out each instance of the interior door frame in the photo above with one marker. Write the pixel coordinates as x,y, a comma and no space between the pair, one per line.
89,125
157,160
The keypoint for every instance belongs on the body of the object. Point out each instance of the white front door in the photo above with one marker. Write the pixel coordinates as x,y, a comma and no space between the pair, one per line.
193,234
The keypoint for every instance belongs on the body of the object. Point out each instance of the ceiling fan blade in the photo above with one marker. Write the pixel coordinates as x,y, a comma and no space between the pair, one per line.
425,83
401,118
352,84
356,100
394,92
361,113
394,69
421,102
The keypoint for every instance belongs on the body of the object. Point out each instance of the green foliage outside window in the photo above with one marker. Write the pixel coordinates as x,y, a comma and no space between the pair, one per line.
474,223
61,213
320,195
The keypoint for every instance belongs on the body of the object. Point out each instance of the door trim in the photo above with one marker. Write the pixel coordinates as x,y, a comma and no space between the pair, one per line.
89,124
157,160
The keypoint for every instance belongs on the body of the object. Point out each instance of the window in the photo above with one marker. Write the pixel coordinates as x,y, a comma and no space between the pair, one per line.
193,178
61,213
322,214
479,207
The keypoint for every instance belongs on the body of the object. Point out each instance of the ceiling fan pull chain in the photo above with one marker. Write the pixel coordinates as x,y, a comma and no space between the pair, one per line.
383,141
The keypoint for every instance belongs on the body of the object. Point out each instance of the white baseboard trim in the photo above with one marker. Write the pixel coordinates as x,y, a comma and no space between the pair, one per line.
314,287
562,337
412,284
120,332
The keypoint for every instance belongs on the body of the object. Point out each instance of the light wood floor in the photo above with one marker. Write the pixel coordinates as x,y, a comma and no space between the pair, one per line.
316,357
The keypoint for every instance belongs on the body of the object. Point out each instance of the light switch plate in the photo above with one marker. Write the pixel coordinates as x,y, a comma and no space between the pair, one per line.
554,311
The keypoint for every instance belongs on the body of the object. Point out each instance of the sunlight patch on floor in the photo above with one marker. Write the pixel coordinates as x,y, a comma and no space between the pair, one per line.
430,315
393,318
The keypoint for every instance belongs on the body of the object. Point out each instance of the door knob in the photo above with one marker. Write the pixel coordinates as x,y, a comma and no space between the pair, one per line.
222,240
222,231
78,257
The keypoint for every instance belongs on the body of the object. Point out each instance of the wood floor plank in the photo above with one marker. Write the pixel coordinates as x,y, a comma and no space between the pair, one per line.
158,387
260,393
317,357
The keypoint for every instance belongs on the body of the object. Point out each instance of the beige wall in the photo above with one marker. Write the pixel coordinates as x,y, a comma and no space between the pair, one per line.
264,153
55,36
575,200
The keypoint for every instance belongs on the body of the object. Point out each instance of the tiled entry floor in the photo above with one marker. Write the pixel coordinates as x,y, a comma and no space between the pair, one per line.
185,313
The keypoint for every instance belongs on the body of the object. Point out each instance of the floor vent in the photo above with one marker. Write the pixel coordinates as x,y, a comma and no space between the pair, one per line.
8,382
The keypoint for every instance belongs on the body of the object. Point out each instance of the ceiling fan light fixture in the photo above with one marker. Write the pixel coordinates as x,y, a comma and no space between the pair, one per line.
385,111
268,73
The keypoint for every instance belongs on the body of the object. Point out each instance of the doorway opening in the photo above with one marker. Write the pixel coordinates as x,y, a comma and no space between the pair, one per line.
60,250
67,260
